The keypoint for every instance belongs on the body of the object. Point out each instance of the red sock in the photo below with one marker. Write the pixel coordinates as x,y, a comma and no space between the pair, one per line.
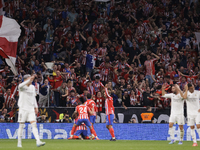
87,138
75,137
95,134
93,131
111,130
73,130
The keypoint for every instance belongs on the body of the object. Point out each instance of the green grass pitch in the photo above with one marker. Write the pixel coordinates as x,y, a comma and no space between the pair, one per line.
96,145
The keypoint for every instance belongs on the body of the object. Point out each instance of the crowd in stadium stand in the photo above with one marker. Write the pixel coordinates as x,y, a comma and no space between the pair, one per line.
133,46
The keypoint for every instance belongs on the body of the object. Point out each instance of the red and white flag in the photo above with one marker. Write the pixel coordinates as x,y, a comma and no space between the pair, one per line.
9,34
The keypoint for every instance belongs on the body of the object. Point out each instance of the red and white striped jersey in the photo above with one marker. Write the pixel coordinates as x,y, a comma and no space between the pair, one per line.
105,72
109,103
80,127
70,89
82,58
91,90
97,85
101,52
3,82
29,32
44,48
1,90
140,31
99,103
74,100
8,100
121,66
82,111
92,105
77,37
146,26
150,66
165,58
174,45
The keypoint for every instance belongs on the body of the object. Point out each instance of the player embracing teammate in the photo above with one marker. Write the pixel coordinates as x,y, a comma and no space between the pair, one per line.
191,97
193,111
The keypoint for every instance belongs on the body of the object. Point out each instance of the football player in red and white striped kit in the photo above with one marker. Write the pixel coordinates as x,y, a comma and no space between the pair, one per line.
9,100
83,112
109,112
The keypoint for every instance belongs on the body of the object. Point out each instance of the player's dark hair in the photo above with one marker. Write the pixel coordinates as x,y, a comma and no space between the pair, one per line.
89,96
189,85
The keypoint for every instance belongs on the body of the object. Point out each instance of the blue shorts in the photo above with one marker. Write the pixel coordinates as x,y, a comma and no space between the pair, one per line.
86,121
92,119
81,132
109,119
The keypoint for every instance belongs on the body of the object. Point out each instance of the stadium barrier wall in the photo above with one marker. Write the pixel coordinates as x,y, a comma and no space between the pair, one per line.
122,131
123,115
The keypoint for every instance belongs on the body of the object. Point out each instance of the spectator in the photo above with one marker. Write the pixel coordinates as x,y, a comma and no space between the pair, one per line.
63,94
42,119
126,100
4,116
148,116
9,100
44,93
132,120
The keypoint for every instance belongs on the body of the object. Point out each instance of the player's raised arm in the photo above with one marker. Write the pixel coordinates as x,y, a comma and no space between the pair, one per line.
106,91
164,94
179,90
27,80
186,90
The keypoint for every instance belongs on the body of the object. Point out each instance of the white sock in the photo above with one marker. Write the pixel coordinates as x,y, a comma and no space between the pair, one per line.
171,133
35,131
193,135
20,130
198,130
181,135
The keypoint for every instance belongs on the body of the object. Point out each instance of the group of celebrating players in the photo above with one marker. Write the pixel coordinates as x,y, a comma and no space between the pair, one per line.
85,115
178,98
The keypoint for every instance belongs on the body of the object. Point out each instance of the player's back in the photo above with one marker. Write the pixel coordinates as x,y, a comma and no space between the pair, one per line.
27,100
193,102
92,106
82,111
109,106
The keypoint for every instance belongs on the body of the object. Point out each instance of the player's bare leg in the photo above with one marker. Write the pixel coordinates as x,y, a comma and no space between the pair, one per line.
181,134
193,134
111,130
20,130
171,132
36,135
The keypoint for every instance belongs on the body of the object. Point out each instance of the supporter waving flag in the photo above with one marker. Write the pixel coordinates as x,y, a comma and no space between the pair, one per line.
9,34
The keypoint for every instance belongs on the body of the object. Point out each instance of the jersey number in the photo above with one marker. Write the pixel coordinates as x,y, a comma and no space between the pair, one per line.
83,110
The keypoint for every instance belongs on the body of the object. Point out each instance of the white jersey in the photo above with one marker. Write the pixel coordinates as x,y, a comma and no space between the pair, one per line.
177,103
193,102
27,100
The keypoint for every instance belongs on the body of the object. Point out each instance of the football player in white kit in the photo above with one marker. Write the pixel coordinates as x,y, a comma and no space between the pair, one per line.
193,112
177,111
28,109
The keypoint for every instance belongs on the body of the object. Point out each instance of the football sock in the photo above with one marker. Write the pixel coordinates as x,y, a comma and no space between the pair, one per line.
94,132
171,133
198,130
111,130
181,135
193,135
20,130
73,130
35,131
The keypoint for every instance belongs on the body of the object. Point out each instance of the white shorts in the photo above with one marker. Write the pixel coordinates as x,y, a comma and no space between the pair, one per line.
193,119
179,119
26,116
